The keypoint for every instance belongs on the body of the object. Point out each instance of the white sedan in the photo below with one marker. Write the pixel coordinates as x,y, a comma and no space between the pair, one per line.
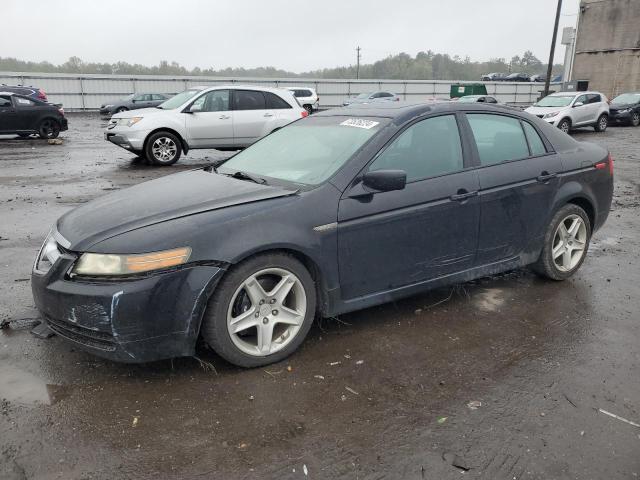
221,117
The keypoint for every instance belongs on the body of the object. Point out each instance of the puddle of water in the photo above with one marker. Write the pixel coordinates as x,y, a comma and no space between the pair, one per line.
490,299
22,387
608,242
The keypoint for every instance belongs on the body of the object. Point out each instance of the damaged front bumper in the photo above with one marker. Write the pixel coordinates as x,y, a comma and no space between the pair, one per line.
133,320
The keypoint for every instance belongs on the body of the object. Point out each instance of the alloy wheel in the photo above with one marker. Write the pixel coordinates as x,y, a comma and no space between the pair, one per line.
266,312
603,123
569,243
635,119
164,149
564,126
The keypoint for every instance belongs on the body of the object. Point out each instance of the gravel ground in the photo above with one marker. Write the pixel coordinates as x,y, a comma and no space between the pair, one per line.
503,376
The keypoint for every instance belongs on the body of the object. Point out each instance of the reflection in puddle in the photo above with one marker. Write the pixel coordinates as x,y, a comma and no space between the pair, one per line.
490,299
23,387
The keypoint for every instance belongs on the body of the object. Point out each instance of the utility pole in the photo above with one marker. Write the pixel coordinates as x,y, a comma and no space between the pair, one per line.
358,62
553,50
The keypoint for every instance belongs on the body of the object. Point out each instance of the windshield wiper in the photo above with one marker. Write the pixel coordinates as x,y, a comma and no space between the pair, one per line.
245,176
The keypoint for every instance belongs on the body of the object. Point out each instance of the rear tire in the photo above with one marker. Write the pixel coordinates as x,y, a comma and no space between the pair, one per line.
568,247
565,125
163,148
49,128
251,290
602,123
308,108
121,109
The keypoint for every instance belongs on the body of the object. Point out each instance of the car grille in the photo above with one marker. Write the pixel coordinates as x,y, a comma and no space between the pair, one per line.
85,336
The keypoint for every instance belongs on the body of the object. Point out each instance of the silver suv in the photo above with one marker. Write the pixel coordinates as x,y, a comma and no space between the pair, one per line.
567,110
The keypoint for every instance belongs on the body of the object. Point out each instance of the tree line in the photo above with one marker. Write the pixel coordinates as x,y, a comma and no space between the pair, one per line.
424,66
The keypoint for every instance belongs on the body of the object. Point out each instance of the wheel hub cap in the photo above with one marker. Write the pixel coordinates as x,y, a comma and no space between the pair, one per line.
164,149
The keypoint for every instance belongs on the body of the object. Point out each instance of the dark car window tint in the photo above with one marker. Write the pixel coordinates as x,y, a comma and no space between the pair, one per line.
426,149
498,138
535,142
248,100
385,94
214,101
23,102
593,98
302,93
274,101
490,100
5,102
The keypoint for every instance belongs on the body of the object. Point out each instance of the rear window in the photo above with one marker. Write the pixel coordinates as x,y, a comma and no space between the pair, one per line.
498,138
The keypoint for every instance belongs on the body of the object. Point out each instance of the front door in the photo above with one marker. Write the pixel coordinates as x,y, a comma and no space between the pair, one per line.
518,179
388,240
210,123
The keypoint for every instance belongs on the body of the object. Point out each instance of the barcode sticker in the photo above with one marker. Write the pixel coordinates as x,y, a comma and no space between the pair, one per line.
359,123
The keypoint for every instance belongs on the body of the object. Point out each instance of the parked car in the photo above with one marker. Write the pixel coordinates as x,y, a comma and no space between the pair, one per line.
222,117
307,98
371,97
134,101
625,109
517,77
493,77
27,91
568,110
328,215
543,77
478,98
24,116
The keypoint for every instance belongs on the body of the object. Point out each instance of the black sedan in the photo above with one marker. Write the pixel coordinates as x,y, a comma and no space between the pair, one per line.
133,102
24,116
625,109
344,210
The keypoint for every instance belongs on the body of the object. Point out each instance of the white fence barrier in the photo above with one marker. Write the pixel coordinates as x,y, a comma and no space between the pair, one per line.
88,92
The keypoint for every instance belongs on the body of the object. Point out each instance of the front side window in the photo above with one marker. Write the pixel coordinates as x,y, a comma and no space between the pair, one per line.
581,99
214,101
306,152
535,142
498,138
428,148
248,100
5,102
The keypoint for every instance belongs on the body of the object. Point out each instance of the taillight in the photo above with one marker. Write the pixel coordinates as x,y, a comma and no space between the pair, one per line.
304,113
61,110
604,165
42,95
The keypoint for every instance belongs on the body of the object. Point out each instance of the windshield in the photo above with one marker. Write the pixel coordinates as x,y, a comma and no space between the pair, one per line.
364,95
626,98
308,151
178,100
555,101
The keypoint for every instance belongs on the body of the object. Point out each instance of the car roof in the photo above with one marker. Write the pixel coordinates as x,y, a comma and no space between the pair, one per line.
567,94
240,87
7,93
404,111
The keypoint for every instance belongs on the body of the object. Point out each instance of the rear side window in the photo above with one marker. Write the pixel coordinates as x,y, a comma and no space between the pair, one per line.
535,142
428,148
274,101
248,100
23,102
302,93
498,138
593,98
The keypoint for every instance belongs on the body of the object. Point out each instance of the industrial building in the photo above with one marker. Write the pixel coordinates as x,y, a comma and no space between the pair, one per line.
607,47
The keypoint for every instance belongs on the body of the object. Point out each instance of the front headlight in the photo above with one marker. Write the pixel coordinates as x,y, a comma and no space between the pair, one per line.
99,264
128,122
47,256
626,110
549,115
107,106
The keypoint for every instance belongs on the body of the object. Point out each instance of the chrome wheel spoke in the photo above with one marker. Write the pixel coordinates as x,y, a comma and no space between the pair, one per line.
254,290
289,317
265,336
573,229
282,289
244,321
558,250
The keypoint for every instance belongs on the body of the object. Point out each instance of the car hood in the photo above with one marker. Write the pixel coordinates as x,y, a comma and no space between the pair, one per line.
139,112
156,201
542,110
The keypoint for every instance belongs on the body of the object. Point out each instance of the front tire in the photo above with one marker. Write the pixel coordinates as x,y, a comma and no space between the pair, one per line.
261,310
635,119
308,108
565,125
49,128
602,123
121,109
163,148
566,243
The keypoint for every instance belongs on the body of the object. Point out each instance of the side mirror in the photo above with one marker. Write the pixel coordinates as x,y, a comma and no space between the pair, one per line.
195,108
578,104
385,180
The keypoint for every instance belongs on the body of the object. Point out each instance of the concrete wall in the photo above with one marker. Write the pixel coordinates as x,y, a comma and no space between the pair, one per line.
608,46
87,92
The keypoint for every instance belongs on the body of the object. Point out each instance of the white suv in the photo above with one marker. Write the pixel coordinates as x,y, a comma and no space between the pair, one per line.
567,110
222,117
307,97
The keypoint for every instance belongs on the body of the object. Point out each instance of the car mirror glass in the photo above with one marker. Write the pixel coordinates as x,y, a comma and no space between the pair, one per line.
578,104
385,180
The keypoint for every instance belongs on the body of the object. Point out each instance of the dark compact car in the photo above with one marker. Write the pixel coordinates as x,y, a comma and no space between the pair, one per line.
24,116
493,77
517,77
133,102
27,91
477,98
390,200
625,109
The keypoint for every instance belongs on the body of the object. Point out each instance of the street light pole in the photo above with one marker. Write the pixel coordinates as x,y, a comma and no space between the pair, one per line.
358,62
553,50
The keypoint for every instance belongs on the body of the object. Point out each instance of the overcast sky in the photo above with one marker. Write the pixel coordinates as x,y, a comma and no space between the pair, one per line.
292,35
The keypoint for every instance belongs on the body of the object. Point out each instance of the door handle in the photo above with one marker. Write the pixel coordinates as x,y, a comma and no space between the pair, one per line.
463,195
224,117
268,114
545,177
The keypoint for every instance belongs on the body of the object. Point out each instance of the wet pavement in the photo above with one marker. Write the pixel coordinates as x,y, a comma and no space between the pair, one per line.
504,376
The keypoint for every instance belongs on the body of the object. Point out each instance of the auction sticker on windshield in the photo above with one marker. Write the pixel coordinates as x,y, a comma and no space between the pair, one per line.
359,123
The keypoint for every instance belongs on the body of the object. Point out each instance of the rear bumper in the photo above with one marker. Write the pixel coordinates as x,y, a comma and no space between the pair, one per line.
132,321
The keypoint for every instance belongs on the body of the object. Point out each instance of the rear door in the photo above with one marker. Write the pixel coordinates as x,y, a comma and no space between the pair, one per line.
283,112
388,240
7,114
581,113
518,180
594,105
28,113
250,114
211,125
